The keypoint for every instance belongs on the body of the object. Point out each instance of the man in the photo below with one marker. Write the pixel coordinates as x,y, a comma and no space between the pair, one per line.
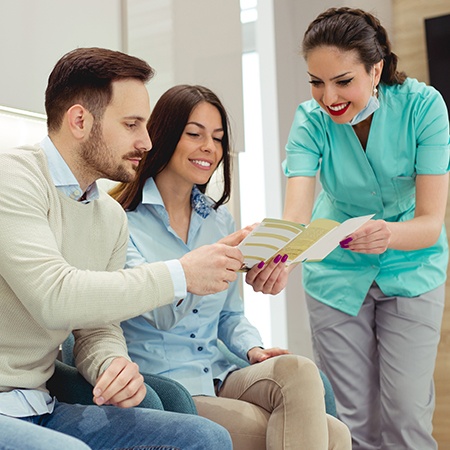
62,248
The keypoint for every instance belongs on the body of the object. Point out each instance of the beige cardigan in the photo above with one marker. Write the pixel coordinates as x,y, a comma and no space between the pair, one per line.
61,270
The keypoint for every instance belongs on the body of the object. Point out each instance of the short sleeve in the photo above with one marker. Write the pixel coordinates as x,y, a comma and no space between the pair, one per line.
305,142
432,135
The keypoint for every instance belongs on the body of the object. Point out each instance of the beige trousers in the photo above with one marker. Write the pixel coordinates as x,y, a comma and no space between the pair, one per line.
277,404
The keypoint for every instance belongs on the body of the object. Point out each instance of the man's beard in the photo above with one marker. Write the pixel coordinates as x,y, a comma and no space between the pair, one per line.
98,158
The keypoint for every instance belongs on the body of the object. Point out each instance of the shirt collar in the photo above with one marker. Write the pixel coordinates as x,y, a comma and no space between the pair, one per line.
62,176
200,203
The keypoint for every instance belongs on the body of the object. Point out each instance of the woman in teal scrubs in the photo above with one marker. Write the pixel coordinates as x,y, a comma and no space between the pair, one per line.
381,143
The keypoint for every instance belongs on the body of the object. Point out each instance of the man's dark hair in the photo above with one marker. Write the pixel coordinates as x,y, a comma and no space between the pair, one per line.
85,76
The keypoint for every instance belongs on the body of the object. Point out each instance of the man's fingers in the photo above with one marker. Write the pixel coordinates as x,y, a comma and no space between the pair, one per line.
210,268
238,236
135,400
128,393
119,381
106,378
235,238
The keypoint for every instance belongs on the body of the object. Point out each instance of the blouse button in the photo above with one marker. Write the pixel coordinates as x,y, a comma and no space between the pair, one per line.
206,370
195,311
200,349
192,335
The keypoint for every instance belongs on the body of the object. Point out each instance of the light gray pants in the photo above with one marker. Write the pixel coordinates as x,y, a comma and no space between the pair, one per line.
381,366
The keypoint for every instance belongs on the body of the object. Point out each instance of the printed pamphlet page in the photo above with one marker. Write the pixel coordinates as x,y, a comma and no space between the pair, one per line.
301,243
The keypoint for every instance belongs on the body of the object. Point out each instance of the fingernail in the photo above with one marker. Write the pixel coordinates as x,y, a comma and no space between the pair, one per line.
97,392
284,258
277,259
261,265
346,241
100,401
343,245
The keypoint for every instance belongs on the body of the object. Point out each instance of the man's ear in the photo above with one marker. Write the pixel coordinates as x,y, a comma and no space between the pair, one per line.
79,121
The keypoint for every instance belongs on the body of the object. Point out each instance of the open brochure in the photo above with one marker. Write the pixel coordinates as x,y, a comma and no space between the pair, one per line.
301,243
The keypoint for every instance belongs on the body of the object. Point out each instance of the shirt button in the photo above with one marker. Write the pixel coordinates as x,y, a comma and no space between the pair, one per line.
192,335
195,311
77,192
200,349
373,193
206,370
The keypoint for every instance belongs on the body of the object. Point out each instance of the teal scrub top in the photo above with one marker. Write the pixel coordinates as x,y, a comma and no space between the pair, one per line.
409,135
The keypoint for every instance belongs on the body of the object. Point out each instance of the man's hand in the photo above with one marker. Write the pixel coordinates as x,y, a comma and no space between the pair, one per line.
257,354
238,236
120,384
271,278
209,269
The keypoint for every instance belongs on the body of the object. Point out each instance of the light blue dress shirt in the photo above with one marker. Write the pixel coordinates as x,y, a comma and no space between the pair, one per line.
180,342
62,176
409,135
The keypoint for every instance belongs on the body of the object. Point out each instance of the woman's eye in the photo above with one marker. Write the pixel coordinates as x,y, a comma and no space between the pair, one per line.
131,125
192,134
218,139
315,83
345,82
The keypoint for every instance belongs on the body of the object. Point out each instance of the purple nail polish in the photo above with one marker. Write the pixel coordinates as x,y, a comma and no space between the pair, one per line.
346,241
343,245
277,259
261,265
284,258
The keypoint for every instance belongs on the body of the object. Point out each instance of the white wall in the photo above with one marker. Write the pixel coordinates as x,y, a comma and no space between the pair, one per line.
193,42
35,34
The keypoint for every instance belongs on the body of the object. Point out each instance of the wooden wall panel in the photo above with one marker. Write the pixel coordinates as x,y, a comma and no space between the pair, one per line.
410,45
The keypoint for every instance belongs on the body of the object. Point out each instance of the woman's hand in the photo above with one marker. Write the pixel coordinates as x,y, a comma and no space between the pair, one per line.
372,237
269,279
258,354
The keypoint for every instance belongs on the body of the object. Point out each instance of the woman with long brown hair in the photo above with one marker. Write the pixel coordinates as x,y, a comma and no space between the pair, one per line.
277,401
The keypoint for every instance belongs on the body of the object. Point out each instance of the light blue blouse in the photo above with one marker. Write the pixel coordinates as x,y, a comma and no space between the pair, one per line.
180,342
409,135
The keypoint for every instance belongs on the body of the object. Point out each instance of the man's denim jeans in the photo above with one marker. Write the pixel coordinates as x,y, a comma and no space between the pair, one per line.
110,427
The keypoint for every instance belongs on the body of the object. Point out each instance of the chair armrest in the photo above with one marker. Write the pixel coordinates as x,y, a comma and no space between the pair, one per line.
330,401
69,386
174,396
